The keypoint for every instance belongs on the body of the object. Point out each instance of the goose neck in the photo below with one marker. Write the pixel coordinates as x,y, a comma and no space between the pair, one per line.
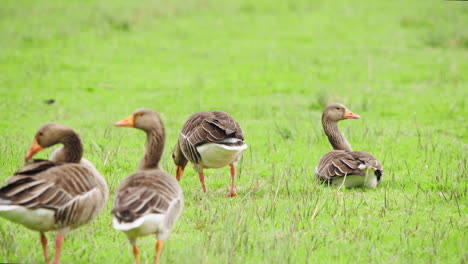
335,137
72,150
155,139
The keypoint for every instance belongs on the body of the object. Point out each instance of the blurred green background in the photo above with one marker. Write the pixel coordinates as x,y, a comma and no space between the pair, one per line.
273,65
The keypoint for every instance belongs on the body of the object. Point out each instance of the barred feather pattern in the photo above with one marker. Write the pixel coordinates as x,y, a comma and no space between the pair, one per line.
73,191
147,192
208,127
340,163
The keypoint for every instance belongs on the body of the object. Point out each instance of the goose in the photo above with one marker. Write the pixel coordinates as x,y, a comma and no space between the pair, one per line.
150,200
212,139
60,194
343,166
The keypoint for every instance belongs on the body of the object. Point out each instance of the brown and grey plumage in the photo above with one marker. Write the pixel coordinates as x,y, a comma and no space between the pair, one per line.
343,166
211,139
150,200
58,194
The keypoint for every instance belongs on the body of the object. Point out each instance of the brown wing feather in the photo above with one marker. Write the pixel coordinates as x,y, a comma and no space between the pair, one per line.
145,192
208,127
213,126
36,166
339,163
46,184
368,159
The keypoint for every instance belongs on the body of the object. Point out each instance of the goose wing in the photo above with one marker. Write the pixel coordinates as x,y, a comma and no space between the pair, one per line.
339,163
69,189
145,192
211,127
368,161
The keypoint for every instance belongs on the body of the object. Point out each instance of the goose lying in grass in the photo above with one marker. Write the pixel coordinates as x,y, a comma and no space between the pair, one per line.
58,194
343,166
209,140
150,200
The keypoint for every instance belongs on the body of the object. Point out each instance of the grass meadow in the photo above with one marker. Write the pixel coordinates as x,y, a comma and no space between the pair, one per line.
273,65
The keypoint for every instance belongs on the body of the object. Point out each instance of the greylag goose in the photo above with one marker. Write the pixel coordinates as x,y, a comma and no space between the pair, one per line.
343,166
59,194
211,139
150,200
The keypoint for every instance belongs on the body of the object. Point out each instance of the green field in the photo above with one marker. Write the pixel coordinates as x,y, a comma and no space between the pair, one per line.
273,65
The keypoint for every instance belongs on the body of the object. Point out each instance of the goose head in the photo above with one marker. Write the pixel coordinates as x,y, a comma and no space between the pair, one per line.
48,135
179,160
144,119
149,121
336,112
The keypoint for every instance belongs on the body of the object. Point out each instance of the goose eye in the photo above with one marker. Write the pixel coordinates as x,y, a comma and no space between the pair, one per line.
173,156
40,134
337,108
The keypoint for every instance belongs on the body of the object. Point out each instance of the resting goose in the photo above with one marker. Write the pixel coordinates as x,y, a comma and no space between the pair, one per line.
150,200
343,166
59,194
209,140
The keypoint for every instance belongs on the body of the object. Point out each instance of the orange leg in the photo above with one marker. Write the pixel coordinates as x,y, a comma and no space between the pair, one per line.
136,254
44,247
233,192
58,248
201,176
159,246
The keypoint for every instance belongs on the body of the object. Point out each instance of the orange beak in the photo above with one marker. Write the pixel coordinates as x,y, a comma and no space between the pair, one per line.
350,115
35,148
127,122
179,172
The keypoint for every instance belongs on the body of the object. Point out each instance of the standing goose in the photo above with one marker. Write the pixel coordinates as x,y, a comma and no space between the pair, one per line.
343,166
209,140
58,194
150,200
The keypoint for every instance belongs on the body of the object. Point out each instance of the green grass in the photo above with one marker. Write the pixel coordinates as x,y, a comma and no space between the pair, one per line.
273,65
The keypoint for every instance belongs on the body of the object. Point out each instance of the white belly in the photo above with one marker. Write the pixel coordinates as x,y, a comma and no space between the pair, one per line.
145,225
218,155
352,181
35,219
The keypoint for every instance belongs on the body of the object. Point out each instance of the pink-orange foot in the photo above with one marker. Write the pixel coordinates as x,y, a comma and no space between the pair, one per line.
58,248
44,247
233,192
159,246
136,254
201,176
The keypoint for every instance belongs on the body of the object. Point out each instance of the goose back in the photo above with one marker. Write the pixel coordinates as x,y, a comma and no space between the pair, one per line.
209,127
340,163
153,193
145,192
72,192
